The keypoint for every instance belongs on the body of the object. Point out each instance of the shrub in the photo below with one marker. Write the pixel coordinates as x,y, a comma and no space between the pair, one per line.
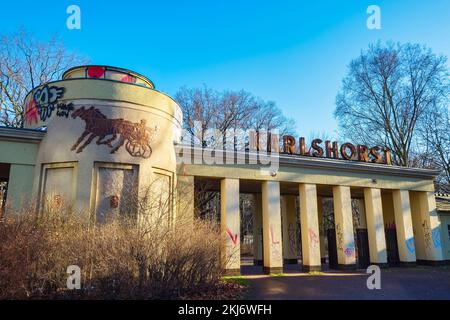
119,259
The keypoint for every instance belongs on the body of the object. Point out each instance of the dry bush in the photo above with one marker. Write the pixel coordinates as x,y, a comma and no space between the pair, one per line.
119,259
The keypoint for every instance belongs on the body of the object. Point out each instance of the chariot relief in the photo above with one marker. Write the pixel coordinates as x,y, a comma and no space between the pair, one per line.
136,136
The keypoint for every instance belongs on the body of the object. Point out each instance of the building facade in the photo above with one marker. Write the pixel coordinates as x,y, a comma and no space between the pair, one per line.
443,209
102,133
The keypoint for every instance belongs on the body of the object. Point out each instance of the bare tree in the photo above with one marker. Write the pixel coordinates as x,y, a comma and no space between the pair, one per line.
24,64
235,110
205,109
386,93
269,117
435,134
200,106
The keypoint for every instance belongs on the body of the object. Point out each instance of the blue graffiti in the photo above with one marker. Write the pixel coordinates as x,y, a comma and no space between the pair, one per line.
410,245
46,99
436,236
350,250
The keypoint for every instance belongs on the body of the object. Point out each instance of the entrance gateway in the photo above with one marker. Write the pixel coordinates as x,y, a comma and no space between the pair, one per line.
90,135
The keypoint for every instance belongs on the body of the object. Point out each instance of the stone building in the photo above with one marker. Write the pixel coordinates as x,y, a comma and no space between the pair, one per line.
102,133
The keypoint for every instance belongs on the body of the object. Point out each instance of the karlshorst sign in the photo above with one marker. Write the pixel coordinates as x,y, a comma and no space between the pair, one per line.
323,149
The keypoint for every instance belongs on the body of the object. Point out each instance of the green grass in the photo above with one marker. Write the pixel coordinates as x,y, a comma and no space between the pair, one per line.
315,273
237,279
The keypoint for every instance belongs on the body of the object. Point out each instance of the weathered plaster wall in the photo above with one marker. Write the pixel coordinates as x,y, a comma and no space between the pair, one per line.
80,123
21,156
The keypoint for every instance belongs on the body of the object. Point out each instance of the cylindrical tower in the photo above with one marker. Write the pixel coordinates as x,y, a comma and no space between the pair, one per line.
109,132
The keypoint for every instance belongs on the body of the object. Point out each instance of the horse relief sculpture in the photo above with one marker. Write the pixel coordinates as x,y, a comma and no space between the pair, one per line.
136,136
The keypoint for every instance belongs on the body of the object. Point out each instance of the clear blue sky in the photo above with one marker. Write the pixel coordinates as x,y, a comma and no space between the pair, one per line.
292,52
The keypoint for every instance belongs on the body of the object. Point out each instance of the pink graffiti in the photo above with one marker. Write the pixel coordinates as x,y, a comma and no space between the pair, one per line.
31,112
273,239
233,238
313,236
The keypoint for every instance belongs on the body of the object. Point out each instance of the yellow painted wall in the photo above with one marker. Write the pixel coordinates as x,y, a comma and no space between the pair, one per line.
115,100
21,156
18,152
20,186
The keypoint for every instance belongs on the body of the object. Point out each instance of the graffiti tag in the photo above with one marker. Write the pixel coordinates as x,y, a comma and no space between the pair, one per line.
64,110
31,113
136,136
427,234
436,236
46,99
276,255
349,251
410,245
233,238
313,237
275,252
272,237
44,102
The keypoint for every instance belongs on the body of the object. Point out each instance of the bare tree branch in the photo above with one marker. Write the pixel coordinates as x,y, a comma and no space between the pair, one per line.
387,92
24,64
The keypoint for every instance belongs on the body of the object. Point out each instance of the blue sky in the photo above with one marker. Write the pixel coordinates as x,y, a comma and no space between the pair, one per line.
292,52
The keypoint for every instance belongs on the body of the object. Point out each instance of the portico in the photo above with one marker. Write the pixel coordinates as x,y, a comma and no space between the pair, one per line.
295,194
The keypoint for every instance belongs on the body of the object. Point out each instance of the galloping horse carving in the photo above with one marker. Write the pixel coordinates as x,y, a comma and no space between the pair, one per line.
135,136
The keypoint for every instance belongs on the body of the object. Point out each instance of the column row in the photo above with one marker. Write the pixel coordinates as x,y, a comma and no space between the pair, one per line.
269,227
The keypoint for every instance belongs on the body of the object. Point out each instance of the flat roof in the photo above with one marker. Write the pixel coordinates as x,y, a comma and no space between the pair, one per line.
443,202
330,164
22,134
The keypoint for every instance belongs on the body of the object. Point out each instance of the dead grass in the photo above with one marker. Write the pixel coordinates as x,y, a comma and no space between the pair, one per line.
119,259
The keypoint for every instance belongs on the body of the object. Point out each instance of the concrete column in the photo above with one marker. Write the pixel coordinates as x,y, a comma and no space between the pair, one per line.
257,232
230,225
273,259
309,221
375,226
290,241
419,239
322,231
343,219
431,228
404,227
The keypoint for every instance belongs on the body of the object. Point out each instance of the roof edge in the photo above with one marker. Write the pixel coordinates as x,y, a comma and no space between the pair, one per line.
22,134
